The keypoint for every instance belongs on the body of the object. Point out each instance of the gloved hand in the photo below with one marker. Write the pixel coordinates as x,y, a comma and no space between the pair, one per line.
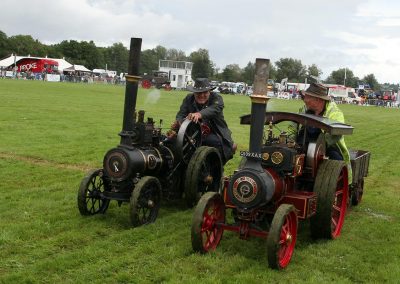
175,125
171,134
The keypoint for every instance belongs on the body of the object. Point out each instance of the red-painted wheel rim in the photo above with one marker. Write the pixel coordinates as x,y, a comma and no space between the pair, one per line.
211,233
287,239
146,84
339,205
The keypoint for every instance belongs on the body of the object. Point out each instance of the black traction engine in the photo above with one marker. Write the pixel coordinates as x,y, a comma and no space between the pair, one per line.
147,165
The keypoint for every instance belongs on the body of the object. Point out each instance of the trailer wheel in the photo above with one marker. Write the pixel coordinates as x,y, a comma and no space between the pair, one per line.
145,201
146,84
282,237
203,174
357,193
188,140
206,224
332,189
90,198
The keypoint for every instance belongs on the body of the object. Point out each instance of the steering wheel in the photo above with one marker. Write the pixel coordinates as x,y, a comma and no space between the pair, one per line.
188,140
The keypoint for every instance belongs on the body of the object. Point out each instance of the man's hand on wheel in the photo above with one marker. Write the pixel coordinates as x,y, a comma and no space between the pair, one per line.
194,116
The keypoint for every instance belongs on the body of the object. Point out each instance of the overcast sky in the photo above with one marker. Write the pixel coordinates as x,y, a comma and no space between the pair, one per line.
361,35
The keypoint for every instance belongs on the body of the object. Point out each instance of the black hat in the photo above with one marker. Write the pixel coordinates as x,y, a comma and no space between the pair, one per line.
318,91
200,85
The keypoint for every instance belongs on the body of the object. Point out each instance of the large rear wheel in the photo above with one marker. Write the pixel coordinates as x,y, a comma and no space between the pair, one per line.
203,174
206,229
332,189
282,237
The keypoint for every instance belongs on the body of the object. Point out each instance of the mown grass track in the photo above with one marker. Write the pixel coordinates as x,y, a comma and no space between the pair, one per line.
51,133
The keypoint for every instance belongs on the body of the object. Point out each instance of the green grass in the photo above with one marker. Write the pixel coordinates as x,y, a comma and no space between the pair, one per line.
52,133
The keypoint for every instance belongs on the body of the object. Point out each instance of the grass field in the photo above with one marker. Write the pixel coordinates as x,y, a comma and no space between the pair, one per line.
52,133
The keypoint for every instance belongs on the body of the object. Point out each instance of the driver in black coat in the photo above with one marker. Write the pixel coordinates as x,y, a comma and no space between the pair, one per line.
206,107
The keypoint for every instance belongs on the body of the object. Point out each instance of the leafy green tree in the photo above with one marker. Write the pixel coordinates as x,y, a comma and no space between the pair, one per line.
83,53
176,55
91,55
248,73
26,45
313,70
149,58
202,65
290,68
389,86
53,51
116,58
70,49
272,72
338,77
371,81
148,61
215,74
232,73
4,45
161,52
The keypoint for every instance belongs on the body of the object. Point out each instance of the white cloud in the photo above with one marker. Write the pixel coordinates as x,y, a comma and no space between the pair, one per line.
360,35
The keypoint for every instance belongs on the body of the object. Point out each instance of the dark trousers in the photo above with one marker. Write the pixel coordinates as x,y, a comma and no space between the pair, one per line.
215,141
333,153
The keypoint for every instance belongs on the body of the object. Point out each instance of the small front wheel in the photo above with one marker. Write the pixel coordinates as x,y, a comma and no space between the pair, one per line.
145,201
206,224
282,237
90,194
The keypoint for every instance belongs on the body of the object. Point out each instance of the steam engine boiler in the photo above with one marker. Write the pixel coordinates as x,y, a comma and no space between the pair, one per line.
147,165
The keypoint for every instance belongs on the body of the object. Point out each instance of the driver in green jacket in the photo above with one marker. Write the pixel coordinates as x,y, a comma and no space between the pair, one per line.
317,102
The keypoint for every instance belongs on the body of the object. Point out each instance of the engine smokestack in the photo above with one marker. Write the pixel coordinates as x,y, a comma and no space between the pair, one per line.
258,104
131,89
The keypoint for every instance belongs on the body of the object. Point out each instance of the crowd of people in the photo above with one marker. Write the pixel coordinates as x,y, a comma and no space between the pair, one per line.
74,77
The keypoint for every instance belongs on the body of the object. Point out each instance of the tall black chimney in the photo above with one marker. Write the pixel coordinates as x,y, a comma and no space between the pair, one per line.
131,89
258,107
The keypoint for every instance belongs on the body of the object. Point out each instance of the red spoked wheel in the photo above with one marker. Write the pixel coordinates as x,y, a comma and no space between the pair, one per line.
282,237
332,189
209,213
146,84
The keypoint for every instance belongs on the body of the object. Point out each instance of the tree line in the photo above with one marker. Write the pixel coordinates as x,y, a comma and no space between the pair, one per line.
115,57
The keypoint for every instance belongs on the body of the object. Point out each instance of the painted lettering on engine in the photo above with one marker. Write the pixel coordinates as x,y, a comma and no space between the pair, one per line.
251,155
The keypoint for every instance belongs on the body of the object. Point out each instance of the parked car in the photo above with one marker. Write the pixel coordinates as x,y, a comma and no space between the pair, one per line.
353,98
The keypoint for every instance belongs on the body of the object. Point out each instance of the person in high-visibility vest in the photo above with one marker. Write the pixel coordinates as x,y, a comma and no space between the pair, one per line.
318,102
